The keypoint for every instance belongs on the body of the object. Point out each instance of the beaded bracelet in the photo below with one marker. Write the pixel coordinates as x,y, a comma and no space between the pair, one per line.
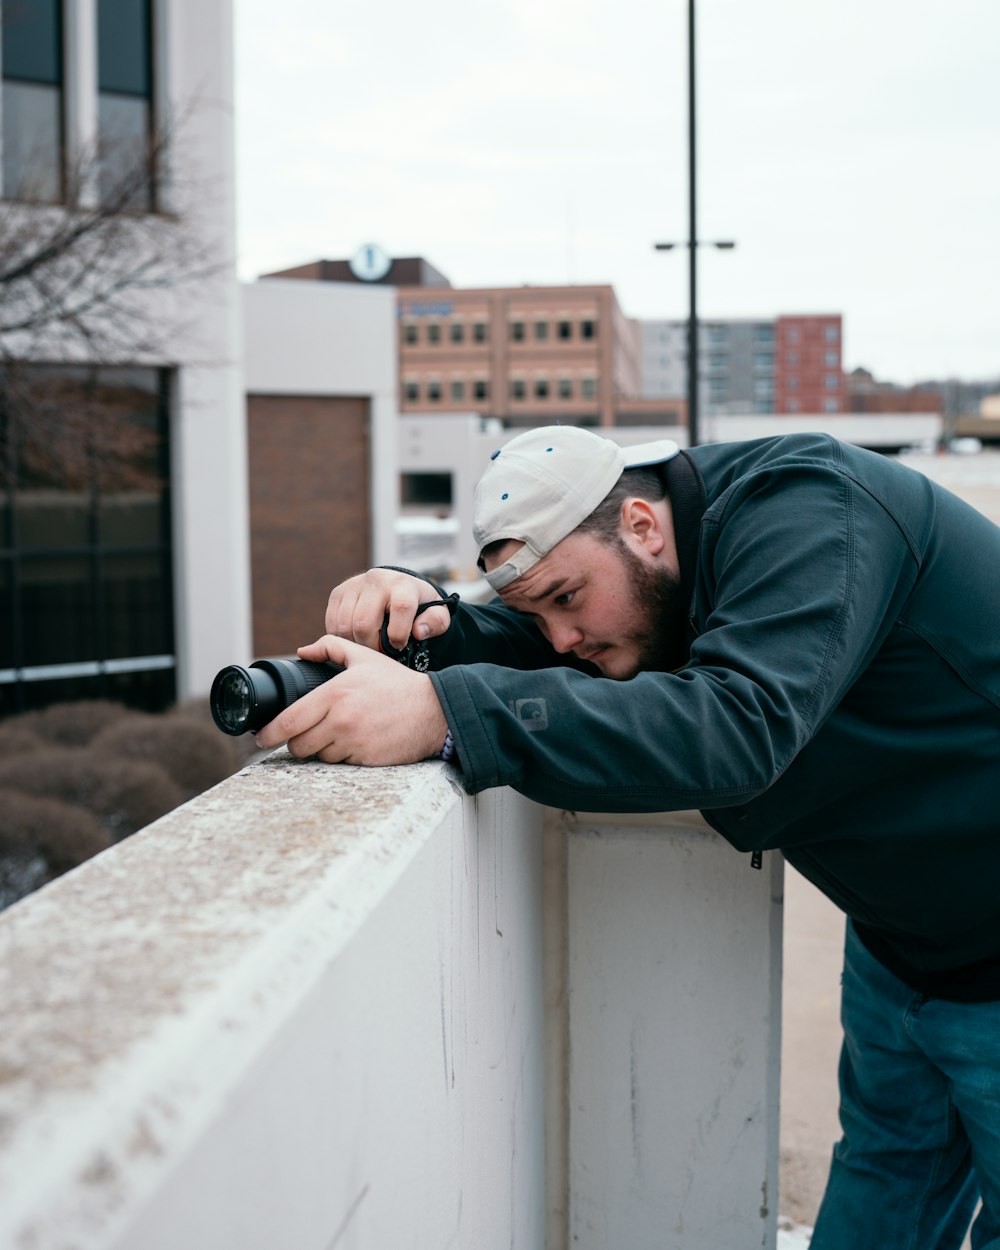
448,750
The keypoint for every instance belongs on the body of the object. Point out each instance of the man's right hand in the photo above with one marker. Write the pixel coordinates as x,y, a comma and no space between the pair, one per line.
358,607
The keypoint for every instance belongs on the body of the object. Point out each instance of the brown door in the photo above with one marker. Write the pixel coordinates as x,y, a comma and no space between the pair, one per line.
310,508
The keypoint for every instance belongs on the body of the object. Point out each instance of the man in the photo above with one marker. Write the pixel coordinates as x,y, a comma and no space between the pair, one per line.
803,640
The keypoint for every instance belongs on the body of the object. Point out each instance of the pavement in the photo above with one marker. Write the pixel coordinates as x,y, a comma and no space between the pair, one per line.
813,948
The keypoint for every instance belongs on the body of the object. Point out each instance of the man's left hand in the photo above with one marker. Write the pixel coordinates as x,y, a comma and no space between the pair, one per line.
376,712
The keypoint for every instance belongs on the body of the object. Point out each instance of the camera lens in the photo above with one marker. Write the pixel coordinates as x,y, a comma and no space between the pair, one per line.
232,700
243,700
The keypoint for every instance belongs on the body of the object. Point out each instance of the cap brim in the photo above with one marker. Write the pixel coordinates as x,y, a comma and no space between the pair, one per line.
650,453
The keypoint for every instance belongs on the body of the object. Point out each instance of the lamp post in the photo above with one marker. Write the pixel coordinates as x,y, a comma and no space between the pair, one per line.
692,244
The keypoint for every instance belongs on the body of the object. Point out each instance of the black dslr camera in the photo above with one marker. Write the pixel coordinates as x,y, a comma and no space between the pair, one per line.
243,700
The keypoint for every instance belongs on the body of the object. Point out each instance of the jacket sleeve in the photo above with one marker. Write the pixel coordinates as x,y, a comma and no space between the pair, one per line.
802,573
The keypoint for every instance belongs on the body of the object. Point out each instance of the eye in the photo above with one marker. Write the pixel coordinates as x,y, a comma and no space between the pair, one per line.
564,599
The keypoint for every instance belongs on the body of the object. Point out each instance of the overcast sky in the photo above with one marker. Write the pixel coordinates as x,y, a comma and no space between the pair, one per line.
852,150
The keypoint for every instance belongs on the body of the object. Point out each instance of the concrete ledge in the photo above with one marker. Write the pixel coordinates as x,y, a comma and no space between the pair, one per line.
303,1009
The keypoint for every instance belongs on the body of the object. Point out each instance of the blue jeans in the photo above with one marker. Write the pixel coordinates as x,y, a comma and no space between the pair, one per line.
920,1111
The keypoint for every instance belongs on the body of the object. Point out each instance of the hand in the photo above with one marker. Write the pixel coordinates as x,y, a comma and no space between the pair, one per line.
375,713
357,608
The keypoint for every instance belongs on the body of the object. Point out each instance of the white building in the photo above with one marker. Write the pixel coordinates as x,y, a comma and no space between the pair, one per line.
132,581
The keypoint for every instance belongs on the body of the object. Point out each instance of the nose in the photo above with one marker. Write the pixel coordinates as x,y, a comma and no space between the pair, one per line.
564,637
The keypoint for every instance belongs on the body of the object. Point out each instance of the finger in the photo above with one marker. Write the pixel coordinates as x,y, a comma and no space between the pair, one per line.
340,605
431,623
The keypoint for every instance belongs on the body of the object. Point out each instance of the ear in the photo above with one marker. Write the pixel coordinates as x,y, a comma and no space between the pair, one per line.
642,523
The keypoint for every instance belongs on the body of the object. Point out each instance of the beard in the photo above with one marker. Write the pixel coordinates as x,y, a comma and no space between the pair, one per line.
658,634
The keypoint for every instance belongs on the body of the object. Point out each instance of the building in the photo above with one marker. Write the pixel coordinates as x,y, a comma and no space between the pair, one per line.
124,569
808,371
736,364
791,364
322,435
527,355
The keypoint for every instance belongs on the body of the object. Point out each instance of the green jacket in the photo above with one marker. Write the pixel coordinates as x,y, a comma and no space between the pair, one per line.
839,699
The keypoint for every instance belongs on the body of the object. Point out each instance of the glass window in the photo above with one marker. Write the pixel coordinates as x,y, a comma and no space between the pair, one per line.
565,388
588,329
87,529
425,488
518,389
412,391
457,332
410,333
434,390
763,361
588,387
32,100
831,381
763,334
433,332
831,334
480,389
457,390
565,329
541,388
479,331
832,359
125,101
792,334
517,331
541,330
831,405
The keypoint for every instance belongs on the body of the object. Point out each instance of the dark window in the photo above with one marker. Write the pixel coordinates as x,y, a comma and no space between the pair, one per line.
125,101
420,489
433,332
85,537
517,331
480,389
541,388
565,388
541,331
412,391
588,329
517,388
32,100
457,332
434,391
410,333
565,329
457,390
479,331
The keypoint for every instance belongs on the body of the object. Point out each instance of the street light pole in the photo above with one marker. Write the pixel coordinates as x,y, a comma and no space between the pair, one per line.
693,243
693,415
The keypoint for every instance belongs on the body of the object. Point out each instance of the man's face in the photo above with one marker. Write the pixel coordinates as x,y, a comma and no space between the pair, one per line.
609,604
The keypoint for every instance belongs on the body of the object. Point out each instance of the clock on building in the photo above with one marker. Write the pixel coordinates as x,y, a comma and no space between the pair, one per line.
370,263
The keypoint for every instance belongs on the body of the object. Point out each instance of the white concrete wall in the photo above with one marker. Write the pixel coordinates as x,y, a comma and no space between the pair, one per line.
194,49
330,1007
304,1010
332,338
672,1037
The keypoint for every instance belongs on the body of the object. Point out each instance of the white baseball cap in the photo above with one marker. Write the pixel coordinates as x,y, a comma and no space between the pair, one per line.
543,483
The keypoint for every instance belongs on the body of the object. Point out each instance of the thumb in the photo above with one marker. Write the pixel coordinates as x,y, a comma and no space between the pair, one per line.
431,623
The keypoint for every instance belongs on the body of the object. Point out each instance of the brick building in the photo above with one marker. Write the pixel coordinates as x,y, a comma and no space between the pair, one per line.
808,372
528,355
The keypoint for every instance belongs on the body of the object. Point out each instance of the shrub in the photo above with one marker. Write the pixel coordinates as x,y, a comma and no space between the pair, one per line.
195,755
41,838
124,795
16,739
70,724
